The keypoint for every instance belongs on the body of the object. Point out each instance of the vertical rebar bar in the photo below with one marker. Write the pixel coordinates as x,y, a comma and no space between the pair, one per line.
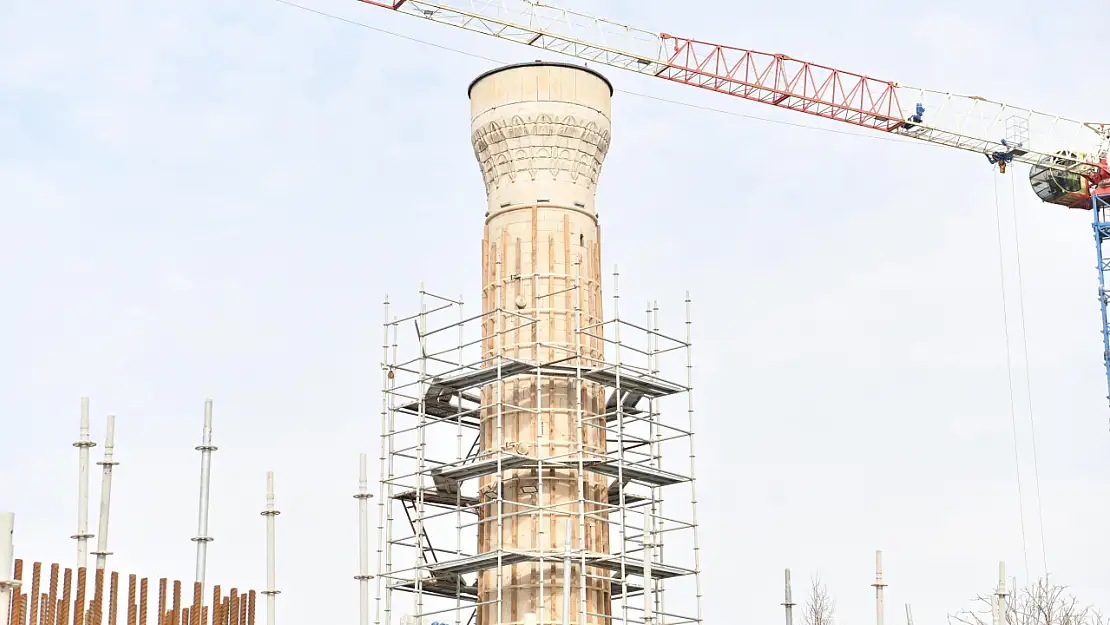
83,444
162,601
79,601
271,591
113,600
52,597
98,594
250,608
176,618
217,598
131,608
33,598
17,595
64,602
233,607
107,464
142,601
198,600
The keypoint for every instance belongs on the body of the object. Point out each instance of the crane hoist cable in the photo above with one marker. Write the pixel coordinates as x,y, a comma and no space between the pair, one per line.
1028,372
1010,372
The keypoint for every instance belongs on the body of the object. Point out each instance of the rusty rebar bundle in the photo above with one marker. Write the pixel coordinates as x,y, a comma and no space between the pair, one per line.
42,604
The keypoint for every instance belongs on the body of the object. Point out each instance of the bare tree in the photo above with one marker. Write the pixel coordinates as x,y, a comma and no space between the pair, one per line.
820,607
1043,603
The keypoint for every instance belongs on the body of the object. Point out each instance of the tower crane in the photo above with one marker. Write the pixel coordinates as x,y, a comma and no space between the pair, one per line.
1067,157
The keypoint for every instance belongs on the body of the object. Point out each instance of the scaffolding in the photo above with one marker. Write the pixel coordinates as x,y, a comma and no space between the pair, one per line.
445,374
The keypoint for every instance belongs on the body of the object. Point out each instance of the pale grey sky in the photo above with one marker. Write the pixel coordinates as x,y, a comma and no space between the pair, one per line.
210,199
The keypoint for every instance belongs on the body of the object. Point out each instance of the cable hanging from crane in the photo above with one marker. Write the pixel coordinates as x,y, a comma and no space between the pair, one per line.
1010,374
1028,372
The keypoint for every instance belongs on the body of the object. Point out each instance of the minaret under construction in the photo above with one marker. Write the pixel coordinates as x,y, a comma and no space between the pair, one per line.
540,133
522,470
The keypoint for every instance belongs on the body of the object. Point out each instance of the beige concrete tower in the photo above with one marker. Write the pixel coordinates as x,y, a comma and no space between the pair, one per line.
540,133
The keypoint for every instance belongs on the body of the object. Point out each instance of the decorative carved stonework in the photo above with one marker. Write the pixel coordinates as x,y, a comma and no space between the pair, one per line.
549,144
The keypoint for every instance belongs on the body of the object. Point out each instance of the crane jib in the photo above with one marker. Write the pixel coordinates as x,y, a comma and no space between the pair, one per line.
1068,158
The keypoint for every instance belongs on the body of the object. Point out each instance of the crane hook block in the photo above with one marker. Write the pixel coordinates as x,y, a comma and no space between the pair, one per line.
1001,159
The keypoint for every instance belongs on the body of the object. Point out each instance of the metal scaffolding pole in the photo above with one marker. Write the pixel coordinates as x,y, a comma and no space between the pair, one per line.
880,612
789,602
437,385
271,513
202,538
107,464
83,444
363,496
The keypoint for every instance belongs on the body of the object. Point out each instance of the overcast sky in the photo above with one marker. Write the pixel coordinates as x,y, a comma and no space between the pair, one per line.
211,199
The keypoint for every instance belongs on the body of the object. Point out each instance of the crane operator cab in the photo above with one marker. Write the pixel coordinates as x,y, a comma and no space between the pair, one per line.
1060,187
